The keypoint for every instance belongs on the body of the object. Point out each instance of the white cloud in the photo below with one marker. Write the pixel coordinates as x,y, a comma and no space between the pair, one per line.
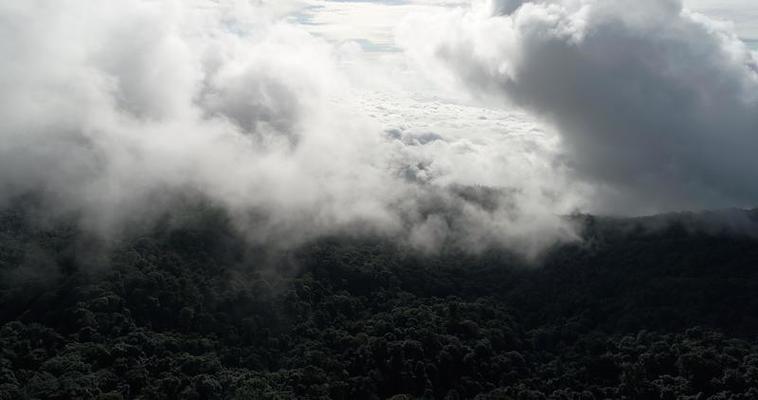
108,110
657,106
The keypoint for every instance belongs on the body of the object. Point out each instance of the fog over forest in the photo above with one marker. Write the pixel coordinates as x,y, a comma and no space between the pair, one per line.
378,199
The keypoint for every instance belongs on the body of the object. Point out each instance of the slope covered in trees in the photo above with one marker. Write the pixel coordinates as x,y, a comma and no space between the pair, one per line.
189,310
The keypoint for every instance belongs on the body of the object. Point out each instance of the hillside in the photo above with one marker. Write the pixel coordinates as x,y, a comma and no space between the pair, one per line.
192,311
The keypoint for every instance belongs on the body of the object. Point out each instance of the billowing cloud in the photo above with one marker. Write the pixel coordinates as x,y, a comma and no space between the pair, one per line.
657,107
108,111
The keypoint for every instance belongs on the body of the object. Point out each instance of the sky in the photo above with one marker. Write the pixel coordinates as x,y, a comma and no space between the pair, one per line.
743,13
372,23
439,123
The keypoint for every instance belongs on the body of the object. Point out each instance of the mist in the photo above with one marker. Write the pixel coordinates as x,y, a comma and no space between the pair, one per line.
538,110
110,112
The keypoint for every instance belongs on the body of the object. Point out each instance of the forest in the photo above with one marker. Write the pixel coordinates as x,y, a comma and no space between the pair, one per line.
192,310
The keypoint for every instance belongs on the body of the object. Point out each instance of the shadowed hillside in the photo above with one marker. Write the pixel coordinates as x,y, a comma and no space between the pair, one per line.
189,310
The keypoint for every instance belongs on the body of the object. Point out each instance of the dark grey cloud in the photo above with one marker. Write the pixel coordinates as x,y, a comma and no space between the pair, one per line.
504,7
657,107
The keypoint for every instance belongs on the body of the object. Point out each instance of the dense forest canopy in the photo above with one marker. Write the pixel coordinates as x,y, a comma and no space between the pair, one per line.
656,308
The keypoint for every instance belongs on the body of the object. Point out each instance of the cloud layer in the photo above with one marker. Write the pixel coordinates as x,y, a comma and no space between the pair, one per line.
108,111
111,112
657,107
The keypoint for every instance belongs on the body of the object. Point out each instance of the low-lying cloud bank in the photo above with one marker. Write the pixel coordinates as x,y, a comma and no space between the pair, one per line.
108,110
657,107
112,111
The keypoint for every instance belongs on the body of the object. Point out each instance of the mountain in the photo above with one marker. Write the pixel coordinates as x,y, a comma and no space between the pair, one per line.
660,307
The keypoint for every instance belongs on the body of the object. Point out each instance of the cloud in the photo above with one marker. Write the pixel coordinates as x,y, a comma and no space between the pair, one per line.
742,13
109,111
657,107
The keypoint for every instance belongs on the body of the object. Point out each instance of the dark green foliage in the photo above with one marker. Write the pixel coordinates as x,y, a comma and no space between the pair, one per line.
191,311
